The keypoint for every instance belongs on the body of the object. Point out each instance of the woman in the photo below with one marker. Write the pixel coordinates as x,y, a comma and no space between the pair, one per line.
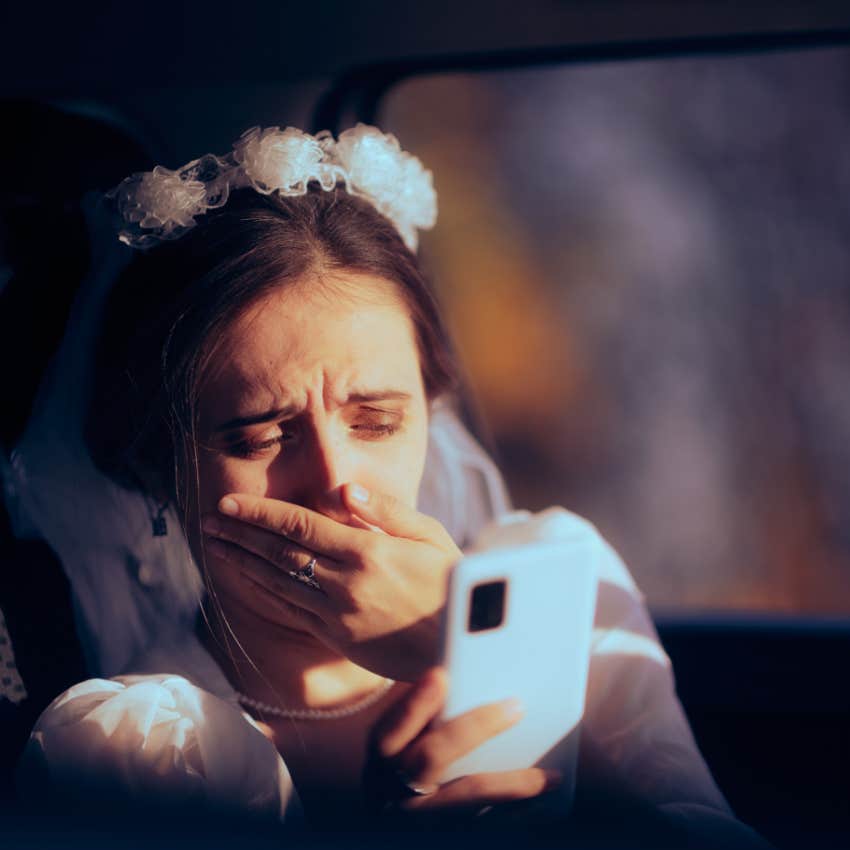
270,366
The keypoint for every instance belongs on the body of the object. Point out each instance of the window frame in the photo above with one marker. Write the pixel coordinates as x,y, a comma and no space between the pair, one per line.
357,94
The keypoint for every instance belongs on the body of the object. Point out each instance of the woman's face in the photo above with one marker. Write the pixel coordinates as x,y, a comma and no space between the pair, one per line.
315,387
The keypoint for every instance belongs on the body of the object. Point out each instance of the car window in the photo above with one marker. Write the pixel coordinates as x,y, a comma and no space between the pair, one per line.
647,269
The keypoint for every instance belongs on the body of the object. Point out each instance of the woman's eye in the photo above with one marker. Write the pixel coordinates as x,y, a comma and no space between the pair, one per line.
258,448
375,429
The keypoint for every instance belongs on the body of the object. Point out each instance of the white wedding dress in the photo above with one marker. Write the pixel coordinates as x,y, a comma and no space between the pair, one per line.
174,732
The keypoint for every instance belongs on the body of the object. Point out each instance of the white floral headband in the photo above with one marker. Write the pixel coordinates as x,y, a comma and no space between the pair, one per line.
163,204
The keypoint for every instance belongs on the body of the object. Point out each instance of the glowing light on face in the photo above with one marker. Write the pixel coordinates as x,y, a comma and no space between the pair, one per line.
316,387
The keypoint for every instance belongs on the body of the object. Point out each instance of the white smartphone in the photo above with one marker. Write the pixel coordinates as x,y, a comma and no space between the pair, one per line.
518,623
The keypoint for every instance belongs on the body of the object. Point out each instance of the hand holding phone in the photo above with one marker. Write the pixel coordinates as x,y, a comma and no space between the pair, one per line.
408,754
518,624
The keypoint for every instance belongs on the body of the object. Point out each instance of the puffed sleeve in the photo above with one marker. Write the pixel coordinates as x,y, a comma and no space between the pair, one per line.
157,741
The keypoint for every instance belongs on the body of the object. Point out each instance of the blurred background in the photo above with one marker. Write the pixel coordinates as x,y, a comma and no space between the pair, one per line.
642,251
644,263
646,266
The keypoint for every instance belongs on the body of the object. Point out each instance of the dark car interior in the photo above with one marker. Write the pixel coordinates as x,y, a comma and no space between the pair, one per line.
103,90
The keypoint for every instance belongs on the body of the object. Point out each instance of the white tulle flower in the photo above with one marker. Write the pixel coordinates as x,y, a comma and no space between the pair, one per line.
284,161
395,181
163,204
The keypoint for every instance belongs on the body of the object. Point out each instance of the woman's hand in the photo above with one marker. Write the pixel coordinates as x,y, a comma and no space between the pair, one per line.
379,595
407,758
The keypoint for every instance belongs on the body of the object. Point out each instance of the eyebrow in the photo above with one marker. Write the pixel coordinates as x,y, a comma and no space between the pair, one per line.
283,412
254,419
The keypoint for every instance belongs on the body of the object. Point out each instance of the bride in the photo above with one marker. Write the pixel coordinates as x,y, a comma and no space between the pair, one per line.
272,371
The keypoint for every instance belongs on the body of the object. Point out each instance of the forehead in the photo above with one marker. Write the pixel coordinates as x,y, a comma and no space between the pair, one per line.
353,336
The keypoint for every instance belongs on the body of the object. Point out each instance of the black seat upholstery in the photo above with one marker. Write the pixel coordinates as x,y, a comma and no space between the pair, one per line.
58,157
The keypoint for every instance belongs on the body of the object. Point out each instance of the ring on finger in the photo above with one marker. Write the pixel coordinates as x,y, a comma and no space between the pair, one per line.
307,575
411,788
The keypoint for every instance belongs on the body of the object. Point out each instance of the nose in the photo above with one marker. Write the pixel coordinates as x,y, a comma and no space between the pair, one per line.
328,460
323,465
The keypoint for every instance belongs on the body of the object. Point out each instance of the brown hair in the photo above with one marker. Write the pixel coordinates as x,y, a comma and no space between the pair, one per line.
173,304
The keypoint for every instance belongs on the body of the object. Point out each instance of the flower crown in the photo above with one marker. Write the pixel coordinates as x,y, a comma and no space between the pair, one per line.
162,204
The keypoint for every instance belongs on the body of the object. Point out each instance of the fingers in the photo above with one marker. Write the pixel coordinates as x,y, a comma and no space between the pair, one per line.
427,758
294,615
263,574
334,537
410,715
488,789
410,756
279,551
307,528
393,516
423,754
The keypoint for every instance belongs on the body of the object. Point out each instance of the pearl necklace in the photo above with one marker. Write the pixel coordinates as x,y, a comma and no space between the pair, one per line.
317,713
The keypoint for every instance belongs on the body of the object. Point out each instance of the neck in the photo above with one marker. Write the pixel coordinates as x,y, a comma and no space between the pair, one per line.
280,665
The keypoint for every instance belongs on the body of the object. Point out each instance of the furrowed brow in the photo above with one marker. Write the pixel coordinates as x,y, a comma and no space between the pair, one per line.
254,419
379,395
283,412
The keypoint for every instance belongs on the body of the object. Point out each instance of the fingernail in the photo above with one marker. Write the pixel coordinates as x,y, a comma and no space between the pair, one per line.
211,525
512,708
553,779
228,506
413,786
359,493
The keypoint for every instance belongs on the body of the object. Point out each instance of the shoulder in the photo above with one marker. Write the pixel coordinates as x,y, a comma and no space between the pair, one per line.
154,739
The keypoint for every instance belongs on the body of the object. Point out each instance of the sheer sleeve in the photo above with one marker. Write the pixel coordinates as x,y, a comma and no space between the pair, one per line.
154,741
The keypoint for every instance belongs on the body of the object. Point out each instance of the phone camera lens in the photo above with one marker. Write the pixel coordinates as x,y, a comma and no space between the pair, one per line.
487,606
